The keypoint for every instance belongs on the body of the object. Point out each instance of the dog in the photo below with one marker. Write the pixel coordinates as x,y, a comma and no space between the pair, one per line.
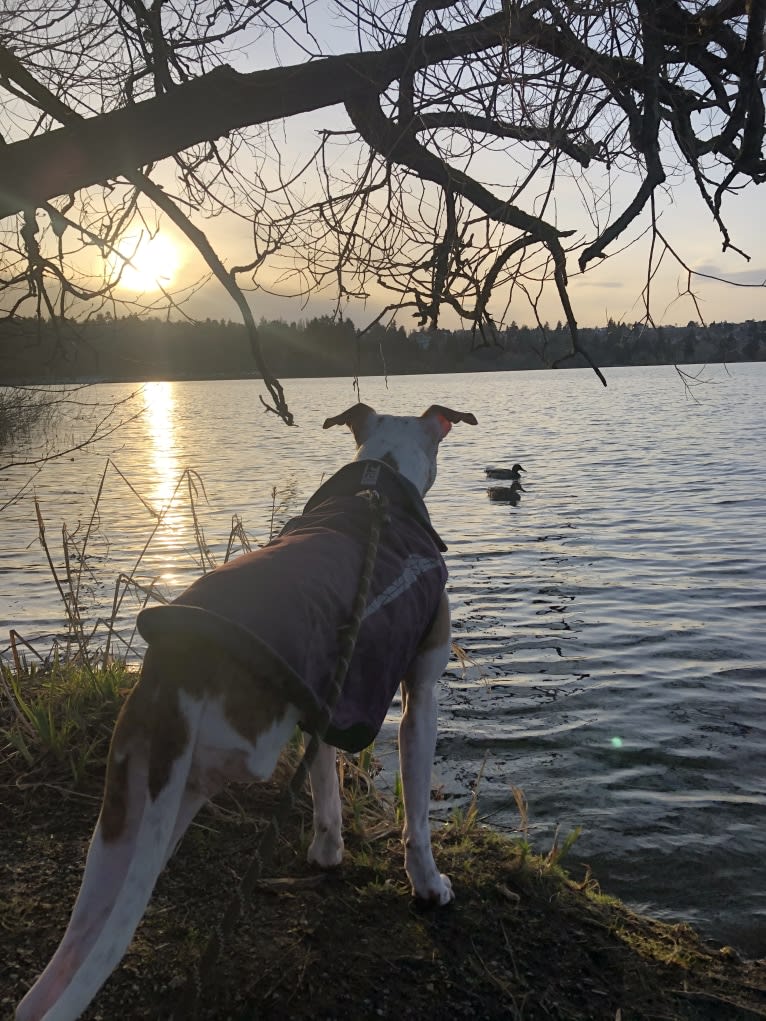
243,657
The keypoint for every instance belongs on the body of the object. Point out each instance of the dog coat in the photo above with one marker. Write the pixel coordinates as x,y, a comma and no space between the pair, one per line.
280,610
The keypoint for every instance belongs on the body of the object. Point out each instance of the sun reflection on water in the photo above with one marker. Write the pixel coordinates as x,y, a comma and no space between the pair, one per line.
160,415
163,471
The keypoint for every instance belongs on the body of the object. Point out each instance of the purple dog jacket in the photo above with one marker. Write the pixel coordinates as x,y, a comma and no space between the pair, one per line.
280,609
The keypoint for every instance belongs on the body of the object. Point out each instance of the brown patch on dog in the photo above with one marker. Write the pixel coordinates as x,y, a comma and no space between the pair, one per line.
356,418
152,723
115,807
389,459
440,629
451,415
169,737
129,738
251,706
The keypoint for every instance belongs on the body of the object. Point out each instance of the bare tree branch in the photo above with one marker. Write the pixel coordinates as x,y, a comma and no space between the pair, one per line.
394,198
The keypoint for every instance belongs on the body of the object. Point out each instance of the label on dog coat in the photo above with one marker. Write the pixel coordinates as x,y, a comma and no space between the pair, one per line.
281,609
371,473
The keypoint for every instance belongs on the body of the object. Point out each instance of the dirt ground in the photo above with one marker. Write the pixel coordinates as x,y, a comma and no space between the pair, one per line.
520,941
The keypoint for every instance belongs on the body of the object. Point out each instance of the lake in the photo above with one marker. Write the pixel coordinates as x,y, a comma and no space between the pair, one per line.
613,623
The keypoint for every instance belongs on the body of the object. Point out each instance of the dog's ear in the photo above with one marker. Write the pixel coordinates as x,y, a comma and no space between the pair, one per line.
445,418
356,418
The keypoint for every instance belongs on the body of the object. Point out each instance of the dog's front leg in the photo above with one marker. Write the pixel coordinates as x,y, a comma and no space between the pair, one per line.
326,849
417,743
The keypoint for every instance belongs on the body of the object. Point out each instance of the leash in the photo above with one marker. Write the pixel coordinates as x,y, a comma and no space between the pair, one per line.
189,1003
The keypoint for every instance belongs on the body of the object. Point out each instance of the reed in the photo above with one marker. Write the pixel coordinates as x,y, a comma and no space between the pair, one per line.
98,639
21,410
59,697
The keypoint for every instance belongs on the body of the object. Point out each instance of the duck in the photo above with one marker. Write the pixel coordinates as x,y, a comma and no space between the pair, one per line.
506,494
505,473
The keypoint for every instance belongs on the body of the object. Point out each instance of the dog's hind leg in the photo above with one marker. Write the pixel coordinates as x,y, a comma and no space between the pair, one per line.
326,849
142,795
189,725
417,743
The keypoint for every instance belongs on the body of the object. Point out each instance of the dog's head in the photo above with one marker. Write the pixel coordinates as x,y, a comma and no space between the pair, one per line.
407,443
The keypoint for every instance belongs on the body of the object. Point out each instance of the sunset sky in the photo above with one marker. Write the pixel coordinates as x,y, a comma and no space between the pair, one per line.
610,289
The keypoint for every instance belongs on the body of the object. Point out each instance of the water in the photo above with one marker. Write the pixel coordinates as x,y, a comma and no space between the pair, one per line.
613,623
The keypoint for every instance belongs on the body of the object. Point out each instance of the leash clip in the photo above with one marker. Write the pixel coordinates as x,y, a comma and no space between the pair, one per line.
375,495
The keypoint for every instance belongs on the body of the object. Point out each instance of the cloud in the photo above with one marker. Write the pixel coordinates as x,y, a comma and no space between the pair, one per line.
585,281
743,277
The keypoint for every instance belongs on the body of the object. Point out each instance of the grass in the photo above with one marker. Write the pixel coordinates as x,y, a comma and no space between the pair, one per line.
58,719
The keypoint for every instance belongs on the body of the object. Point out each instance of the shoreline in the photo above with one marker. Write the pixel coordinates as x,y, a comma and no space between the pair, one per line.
522,940
87,380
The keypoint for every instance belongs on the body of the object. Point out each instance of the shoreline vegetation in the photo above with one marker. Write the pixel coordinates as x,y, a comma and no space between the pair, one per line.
132,349
21,411
524,939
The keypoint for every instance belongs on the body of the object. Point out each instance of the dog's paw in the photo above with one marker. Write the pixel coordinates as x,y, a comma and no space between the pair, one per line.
326,850
437,893
429,886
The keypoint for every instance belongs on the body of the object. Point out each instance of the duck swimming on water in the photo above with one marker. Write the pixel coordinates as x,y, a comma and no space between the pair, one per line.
505,473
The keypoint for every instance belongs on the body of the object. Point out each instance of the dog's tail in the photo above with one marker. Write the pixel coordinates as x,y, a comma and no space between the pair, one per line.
145,807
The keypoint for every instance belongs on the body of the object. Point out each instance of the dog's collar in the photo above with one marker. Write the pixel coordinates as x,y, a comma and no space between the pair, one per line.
368,475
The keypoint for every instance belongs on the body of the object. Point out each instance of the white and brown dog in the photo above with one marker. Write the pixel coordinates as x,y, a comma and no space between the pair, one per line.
244,656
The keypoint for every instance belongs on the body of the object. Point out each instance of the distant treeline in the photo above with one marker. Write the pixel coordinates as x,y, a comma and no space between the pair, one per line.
132,348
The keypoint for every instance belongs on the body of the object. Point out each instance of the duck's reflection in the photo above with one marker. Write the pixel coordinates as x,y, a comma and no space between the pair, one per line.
506,494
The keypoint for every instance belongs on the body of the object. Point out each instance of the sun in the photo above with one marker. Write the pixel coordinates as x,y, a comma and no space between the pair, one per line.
145,263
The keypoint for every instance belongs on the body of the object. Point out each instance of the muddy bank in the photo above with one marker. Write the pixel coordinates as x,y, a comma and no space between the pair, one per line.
521,941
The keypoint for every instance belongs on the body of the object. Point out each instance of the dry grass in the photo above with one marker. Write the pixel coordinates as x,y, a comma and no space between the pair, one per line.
21,410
